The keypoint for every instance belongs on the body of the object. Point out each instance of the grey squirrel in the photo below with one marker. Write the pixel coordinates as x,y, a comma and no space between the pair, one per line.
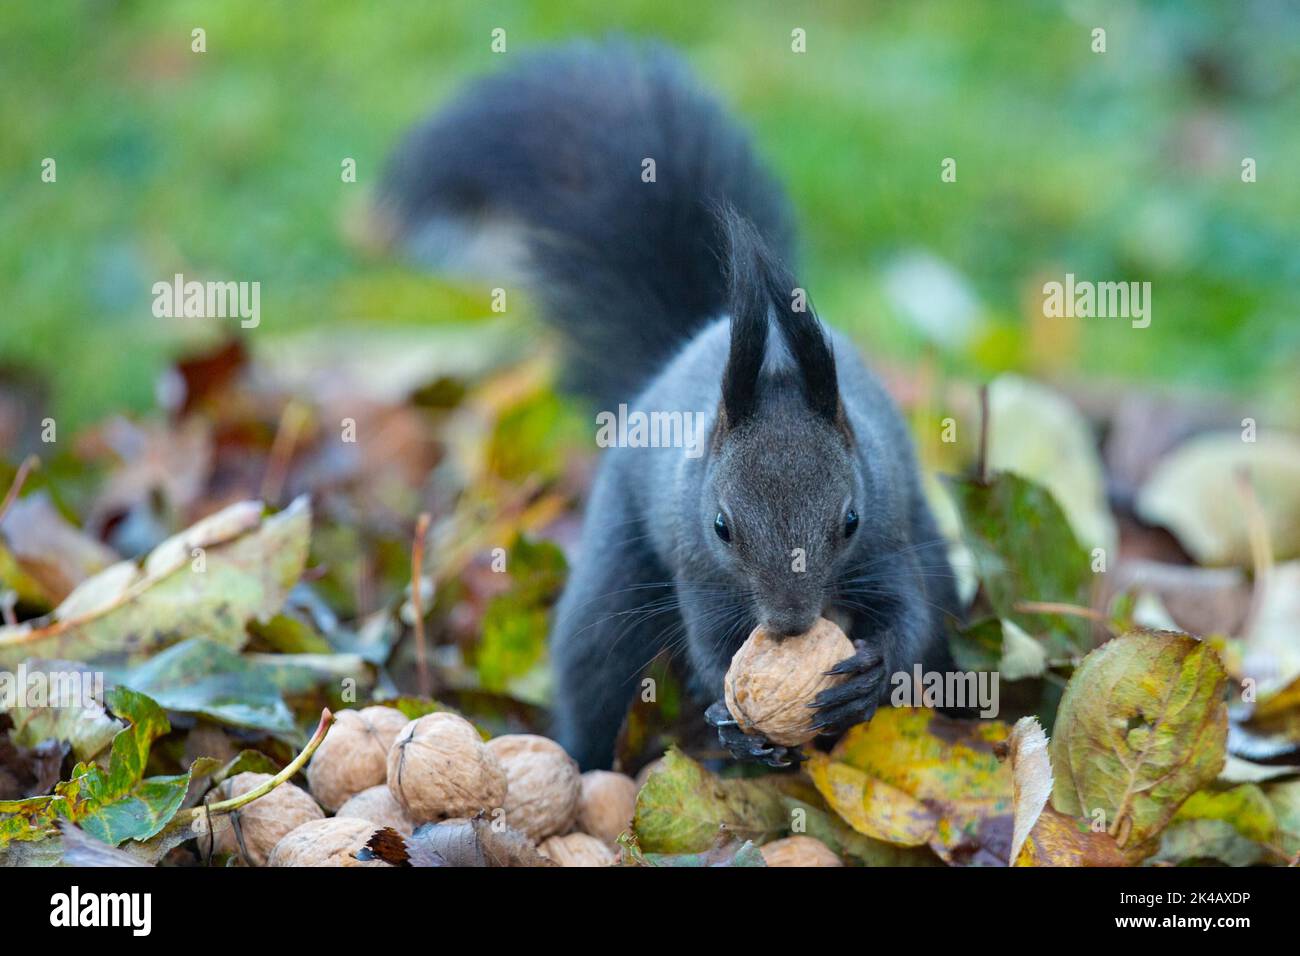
599,174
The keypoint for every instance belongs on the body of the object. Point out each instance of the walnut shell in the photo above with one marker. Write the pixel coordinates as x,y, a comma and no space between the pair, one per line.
328,842
354,754
799,851
578,849
543,784
380,807
607,804
772,681
258,826
439,768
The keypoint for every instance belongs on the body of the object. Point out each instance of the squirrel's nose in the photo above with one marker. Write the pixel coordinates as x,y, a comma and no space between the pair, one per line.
789,621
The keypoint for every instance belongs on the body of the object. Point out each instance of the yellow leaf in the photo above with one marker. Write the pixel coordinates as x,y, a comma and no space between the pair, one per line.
871,806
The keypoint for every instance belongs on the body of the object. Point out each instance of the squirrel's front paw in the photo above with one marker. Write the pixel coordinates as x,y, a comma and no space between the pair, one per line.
745,746
855,700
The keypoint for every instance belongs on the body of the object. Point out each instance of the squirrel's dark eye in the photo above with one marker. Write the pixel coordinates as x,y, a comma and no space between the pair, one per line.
720,526
850,523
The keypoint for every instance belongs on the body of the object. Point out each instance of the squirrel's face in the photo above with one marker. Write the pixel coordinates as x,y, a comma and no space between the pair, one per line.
783,503
782,512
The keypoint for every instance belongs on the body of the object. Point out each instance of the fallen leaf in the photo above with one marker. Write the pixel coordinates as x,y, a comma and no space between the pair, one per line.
68,707
79,848
1031,779
1035,432
1195,493
682,808
1060,840
1200,600
1270,648
1236,826
200,677
995,644
48,550
949,767
515,624
1271,728
1142,726
871,806
1284,796
124,615
28,771
1024,550
727,852
154,460
476,843
115,803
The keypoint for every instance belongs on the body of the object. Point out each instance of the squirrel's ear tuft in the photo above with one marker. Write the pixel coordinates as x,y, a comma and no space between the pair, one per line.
760,286
808,344
748,304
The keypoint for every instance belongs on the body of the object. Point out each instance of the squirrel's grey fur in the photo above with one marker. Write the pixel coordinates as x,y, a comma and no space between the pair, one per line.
673,296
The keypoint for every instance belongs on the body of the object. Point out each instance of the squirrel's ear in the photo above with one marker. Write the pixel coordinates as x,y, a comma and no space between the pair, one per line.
807,341
748,303
760,286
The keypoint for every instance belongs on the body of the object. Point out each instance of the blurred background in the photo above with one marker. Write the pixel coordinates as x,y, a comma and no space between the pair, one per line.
1124,165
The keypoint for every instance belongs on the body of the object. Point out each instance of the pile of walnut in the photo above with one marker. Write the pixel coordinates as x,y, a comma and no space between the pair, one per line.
375,768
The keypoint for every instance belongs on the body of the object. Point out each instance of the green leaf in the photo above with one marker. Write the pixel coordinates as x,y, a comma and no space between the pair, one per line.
245,568
1037,433
1142,726
138,814
682,808
246,761
1236,826
301,673
130,753
113,804
1024,550
200,677
994,644
69,711
530,439
726,854
289,635
515,623
1284,795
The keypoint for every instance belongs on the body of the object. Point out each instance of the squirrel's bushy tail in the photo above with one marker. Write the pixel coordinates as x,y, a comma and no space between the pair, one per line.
540,172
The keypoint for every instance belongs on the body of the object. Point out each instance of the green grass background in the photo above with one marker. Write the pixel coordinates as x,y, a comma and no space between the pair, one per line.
1119,166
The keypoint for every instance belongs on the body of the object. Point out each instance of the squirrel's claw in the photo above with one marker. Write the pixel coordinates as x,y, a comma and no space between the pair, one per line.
855,700
743,746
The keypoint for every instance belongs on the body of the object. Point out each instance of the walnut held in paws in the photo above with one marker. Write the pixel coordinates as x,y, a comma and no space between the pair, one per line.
773,681
439,767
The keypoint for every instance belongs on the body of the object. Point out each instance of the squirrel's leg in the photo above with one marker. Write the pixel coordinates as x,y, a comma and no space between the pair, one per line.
617,603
